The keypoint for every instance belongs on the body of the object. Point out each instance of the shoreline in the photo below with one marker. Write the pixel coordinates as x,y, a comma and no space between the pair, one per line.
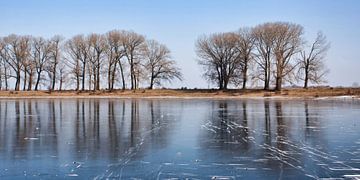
311,93
187,98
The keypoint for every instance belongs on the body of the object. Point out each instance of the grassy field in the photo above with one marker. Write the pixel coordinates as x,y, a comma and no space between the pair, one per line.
305,93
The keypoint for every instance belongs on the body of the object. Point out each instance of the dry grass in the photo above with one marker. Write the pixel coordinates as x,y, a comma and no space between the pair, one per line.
311,92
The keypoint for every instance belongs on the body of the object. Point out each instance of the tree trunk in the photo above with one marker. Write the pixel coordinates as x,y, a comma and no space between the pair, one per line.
113,76
219,78
266,83
132,73
279,71
25,80
98,75
77,82
136,80
221,83
6,80
61,82
244,77
53,78
306,83
225,85
30,81
109,76
95,79
268,71
83,76
278,83
122,77
89,82
151,81
17,83
306,79
267,78
37,81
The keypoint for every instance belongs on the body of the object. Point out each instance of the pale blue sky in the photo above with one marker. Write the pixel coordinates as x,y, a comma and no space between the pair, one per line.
178,23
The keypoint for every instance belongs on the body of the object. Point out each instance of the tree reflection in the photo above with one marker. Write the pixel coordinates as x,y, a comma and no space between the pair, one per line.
80,131
312,125
17,118
267,122
227,127
244,131
137,136
307,120
52,116
4,128
109,129
51,131
20,133
112,126
96,120
134,122
281,126
224,131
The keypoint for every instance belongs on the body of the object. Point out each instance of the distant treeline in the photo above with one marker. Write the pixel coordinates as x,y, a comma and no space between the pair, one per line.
84,62
274,53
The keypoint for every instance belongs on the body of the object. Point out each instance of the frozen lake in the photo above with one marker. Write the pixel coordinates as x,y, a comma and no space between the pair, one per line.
163,139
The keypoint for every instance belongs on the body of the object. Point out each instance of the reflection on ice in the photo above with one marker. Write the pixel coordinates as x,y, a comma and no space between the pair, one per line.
163,139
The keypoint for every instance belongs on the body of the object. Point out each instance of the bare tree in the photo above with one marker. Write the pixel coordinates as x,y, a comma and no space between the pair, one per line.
2,62
220,57
133,43
74,49
288,41
5,73
159,63
5,69
62,75
87,60
245,46
115,52
15,52
264,36
312,68
41,50
78,48
27,69
84,46
29,66
55,59
97,49
90,73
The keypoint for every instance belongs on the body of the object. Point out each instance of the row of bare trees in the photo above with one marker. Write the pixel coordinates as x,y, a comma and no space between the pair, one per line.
83,61
273,53
29,58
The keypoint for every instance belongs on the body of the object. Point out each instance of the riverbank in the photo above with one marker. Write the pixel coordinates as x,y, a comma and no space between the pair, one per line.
191,93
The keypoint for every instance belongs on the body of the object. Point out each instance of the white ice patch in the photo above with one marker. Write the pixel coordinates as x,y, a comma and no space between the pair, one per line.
344,169
261,160
31,138
352,176
222,177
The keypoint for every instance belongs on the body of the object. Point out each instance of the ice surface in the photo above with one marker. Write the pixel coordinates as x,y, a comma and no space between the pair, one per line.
180,138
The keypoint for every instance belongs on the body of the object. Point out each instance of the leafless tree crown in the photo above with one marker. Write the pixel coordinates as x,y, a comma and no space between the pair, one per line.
84,60
269,50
